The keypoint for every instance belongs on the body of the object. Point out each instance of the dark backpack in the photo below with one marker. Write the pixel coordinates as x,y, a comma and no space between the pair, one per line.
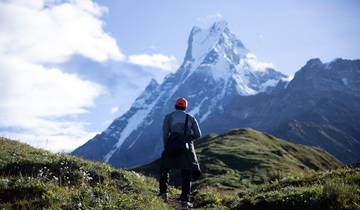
176,144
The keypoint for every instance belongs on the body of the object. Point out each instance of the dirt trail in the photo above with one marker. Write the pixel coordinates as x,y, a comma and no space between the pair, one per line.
175,202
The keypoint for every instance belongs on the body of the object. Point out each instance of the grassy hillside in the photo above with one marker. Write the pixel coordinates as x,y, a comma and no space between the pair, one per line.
244,157
35,179
249,170
337,189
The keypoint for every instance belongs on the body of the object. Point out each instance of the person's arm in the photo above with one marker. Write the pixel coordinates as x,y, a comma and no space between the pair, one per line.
166,130
195,128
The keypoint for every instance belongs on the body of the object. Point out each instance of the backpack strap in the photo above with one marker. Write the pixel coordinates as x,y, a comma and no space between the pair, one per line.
186,124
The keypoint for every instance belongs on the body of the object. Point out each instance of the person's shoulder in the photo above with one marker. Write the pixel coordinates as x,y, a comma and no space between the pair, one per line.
169,114
191,116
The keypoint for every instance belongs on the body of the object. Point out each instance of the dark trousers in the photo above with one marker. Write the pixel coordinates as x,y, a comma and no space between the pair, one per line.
185,183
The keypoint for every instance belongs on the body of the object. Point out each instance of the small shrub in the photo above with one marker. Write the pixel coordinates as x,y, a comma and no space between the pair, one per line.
353,178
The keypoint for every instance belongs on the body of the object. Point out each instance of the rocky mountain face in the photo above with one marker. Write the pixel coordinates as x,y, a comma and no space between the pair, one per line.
319,107
227,87
326,98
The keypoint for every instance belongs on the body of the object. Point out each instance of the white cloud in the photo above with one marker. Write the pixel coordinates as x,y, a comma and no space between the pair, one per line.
36,101
52,32
57,143
33,98
252,62
160,61
33,91
114,109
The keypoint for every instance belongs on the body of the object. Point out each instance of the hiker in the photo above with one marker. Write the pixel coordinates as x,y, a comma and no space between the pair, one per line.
180,129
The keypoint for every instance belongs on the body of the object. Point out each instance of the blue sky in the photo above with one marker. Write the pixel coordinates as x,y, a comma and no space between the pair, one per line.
69,67
286,33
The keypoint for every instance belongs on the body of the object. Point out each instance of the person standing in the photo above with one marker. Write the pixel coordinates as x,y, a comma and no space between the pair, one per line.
180,129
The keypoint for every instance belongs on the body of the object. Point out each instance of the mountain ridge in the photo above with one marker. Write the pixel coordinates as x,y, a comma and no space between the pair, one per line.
318,107
219,72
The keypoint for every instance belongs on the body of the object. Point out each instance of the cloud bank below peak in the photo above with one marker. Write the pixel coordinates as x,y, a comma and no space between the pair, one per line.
163,62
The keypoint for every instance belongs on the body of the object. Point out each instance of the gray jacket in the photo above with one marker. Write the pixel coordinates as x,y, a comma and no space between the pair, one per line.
175,121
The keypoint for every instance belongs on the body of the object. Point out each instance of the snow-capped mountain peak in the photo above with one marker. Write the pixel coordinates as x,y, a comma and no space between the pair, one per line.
218,37
221,55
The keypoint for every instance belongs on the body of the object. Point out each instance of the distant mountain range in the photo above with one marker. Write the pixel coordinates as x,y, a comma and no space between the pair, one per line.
228,87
